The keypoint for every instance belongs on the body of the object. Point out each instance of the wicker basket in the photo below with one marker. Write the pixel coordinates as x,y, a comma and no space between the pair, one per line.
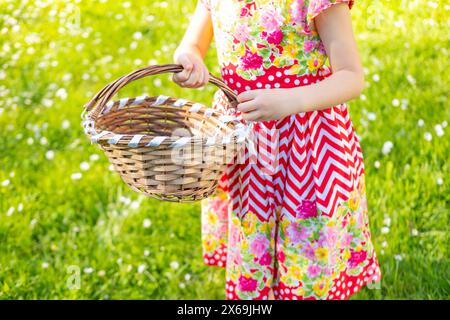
166,148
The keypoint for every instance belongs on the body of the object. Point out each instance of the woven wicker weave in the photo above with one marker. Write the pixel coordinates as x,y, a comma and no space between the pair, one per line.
170,149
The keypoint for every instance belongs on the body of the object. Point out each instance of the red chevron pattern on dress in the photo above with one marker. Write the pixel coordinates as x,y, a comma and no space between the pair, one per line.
307,160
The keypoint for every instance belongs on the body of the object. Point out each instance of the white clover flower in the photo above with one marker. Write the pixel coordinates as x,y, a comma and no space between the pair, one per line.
129,268
133,45
146,253
439,181
94,157
141,268
371,116
174,265
137,35
414,232
147,223
182,285
10,211
67,77
43,141
395,102
404,104
187,277
125,200
420,123
135,205
387,221
65,124
48,103
387,147
44,265
61,93
88,270
398,257
84,166
6,183
376,164
444,124
111,167
30,141
101,273
376,77
20,207
400,23
411,79
384,244
385,230
79,47
157,82
439,130
433,5
428,136
76,176
50,155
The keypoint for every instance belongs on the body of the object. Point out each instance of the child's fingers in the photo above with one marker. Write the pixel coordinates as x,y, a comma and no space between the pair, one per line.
245,96
246,106
185,74
194,78
252,116
206,76
201,76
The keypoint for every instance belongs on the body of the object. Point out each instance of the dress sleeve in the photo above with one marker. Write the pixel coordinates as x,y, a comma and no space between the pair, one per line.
315,7
206,4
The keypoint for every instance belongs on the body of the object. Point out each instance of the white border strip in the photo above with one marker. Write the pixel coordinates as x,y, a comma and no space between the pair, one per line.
100,135
196,107
160,100
181,142
108,107
180,102
134,142
156,141
115,139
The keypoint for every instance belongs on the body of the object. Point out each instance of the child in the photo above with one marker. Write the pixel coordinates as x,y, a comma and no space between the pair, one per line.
293,225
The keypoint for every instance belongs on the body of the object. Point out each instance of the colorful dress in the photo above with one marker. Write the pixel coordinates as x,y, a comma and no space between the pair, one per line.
295,218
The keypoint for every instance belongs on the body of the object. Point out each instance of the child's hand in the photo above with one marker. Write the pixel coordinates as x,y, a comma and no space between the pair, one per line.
268,104
195,73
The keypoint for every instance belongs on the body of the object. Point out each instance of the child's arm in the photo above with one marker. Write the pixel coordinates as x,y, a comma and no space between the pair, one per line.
192,50
347,81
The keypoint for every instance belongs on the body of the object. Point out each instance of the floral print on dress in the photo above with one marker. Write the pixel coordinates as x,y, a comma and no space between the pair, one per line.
320,248
254,35
312,251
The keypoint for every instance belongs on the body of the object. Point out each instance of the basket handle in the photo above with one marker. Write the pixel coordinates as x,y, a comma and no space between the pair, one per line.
98,102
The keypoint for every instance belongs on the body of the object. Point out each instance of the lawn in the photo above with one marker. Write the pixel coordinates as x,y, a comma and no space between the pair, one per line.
69,228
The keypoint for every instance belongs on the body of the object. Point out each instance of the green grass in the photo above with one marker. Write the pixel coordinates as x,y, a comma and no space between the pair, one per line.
53,58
